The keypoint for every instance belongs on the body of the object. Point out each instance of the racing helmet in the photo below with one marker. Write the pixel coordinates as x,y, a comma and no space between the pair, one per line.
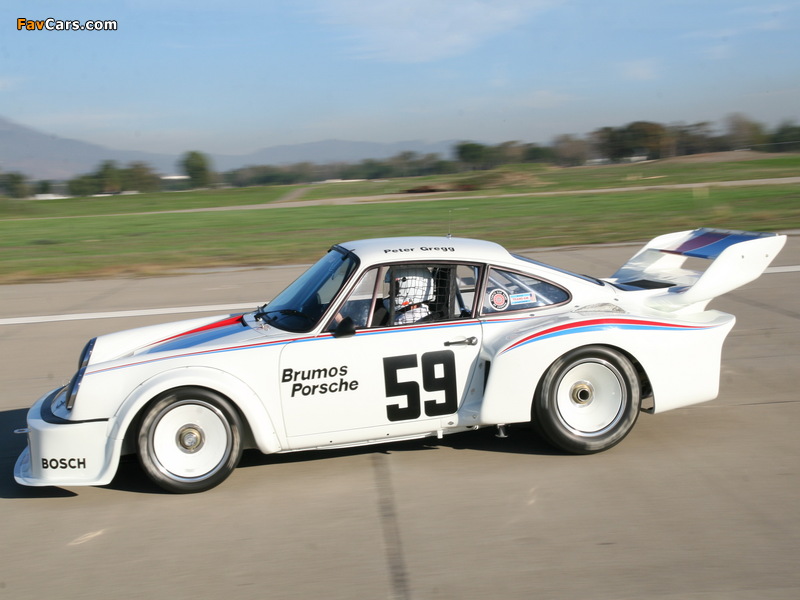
410,285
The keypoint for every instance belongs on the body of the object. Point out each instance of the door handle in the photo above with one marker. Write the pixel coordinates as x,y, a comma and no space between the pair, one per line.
470,341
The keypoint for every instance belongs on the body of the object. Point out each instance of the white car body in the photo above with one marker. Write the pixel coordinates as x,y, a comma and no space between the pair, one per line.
496,354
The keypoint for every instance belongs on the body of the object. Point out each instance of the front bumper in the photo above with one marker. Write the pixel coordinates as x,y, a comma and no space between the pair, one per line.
66,452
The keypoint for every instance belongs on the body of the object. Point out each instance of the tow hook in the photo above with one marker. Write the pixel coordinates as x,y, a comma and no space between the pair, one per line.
22,430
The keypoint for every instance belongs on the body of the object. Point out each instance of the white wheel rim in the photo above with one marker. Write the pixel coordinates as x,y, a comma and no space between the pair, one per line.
191,440
590,397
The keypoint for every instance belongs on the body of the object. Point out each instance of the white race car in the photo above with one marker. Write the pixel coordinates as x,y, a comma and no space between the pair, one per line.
400,338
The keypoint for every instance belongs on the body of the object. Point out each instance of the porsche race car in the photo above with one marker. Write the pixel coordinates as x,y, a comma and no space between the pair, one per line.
400,338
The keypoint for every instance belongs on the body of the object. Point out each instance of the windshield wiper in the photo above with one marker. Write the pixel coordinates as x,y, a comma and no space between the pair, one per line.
260,314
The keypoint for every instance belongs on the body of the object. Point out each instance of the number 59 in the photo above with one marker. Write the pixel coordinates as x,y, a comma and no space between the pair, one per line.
430,382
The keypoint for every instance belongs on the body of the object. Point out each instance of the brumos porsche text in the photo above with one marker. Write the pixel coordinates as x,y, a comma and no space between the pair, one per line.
332,381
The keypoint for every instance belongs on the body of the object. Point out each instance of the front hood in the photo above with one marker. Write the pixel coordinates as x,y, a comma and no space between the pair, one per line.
176,337
220,332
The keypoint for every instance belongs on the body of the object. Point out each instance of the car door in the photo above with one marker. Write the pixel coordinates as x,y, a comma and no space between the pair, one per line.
391,378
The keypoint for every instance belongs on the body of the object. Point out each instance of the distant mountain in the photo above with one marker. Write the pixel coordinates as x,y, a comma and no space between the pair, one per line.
330,151
43,156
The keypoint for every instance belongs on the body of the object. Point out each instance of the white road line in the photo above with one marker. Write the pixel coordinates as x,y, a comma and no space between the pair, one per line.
129,313
86,537
221,308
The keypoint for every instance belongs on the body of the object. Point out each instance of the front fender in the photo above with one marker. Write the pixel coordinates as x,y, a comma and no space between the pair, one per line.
242,395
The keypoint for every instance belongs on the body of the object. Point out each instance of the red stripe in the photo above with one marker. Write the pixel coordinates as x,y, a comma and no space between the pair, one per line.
223,323
201,352
601,322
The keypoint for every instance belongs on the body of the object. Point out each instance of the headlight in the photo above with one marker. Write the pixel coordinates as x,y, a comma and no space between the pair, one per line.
75,382
86,354
72,388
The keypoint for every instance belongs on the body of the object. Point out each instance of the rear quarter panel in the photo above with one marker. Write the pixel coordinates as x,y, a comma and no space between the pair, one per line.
680,358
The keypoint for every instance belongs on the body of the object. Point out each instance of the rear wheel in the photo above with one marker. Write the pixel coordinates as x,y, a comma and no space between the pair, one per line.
190,440
588,400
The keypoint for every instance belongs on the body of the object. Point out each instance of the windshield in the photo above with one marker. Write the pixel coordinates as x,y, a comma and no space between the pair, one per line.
300,306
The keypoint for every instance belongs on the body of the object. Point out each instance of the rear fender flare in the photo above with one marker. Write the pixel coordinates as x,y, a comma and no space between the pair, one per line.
509,397
645,388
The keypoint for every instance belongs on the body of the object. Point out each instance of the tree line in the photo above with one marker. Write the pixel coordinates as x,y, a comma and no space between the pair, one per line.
648,140
639,140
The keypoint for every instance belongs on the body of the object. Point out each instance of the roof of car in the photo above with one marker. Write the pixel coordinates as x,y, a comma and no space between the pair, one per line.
427,248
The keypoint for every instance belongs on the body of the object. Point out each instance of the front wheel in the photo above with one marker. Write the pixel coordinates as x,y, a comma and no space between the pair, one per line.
190,440
588,400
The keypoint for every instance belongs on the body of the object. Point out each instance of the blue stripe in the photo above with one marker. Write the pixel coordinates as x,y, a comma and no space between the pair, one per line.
265,344
714,249
590,328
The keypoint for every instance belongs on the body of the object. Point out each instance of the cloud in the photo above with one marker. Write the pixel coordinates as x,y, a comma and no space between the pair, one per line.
542,99
414,31
8,83
723,42
638,70
757,18
719,52
772,10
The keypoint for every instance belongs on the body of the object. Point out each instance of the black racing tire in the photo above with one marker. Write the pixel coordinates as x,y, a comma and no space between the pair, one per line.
587,401
189,440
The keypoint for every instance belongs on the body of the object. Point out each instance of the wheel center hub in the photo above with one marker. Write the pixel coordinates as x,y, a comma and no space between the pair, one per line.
582,393
190,438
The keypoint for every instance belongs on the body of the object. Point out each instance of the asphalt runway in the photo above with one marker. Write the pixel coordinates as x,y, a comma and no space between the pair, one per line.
696,504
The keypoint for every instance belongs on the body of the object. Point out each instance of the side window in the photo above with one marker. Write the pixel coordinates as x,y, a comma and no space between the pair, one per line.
508,291
429,292
359,304
467,278
411,293
417,292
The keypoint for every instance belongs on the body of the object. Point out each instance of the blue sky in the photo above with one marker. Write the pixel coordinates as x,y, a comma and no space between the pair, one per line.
192,74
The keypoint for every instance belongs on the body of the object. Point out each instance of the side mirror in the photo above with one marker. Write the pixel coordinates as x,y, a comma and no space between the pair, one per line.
345,328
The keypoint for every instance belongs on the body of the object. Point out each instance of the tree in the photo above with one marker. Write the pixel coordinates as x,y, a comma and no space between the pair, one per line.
110,178
196,166
644,136
607,142
84,185
471,154
634,139
139,177
370,169
743,132
570,151
694,139
404,163
507,153
786,138
14,185
535,153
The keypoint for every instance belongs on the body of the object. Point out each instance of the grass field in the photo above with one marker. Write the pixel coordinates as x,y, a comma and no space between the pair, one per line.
100,237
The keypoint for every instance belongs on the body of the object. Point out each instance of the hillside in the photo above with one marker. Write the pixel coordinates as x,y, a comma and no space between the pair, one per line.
43,156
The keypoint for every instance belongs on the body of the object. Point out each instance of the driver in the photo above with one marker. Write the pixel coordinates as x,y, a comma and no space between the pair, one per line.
411,287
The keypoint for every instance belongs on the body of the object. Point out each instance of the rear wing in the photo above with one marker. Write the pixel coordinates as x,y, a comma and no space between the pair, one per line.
736,258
